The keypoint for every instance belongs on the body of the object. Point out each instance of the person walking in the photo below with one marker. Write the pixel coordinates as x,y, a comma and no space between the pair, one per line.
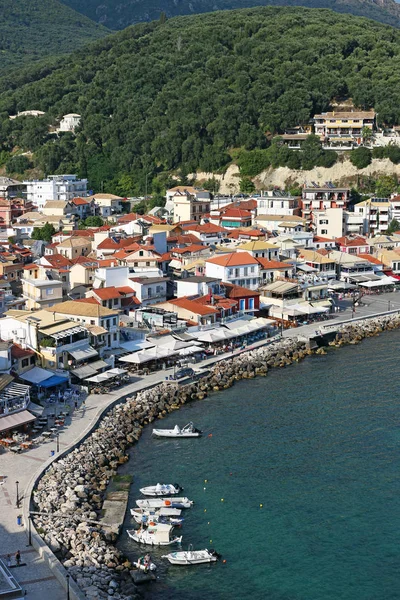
8,560
18,558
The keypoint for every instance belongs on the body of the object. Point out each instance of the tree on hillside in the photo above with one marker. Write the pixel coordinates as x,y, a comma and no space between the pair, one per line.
361,157
18,164
394,225
386,185
247,186
44,233
94,221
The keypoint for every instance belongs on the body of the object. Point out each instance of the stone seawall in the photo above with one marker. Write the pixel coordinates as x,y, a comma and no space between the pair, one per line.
71,492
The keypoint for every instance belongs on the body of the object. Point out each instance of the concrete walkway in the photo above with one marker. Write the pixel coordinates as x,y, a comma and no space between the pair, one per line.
36,577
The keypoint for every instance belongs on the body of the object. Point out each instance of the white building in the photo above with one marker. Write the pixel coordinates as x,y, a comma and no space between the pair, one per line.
277,202
239,268
69,122
55,187
375,213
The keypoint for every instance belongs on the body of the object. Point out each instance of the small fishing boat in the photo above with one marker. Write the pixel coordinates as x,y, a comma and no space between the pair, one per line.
157,534
189,431
161,489
180,502
192,557
162,515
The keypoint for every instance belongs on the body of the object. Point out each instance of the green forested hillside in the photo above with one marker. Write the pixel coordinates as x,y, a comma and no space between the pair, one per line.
33,29
118,14
187,94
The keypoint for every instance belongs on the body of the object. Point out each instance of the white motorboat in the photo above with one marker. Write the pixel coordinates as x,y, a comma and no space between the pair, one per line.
157,534
181,502
189,431
161,489
192,557
162,515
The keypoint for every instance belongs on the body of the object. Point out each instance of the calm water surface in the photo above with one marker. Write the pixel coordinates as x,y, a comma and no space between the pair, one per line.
317,445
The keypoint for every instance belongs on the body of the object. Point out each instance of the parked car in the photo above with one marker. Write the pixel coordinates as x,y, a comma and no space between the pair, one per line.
185,372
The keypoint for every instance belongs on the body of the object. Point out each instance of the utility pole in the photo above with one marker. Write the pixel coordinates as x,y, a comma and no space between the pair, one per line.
18,500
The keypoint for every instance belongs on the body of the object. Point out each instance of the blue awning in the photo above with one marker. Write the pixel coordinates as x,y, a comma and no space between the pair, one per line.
53,381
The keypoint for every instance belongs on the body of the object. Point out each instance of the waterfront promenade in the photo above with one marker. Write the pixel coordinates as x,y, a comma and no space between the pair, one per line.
36,575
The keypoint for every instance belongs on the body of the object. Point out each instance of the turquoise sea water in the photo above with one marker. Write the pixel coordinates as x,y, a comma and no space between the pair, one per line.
318,445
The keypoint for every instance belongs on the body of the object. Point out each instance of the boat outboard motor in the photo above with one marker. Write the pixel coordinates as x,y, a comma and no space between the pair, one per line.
178,487
215,553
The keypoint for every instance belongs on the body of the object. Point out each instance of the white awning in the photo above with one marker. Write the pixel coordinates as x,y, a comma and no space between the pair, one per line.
83,354
67,332
36,375
136,345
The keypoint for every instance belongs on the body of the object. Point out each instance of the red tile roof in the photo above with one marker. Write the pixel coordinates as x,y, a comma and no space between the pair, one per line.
318,238
272,264
18,352
189,249
350,241
88,301
237,291
115,243
233,259
370,259
236,213
108,293
79,201
194,307
31,266
242,204
208,228
130,301
125,289
58,261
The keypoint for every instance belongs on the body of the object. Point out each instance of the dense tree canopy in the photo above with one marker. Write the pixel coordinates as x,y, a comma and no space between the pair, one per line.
187,93
33,29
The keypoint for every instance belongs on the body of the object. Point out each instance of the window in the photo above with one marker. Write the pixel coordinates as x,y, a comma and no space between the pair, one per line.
32,360
253,268
242,304
251,303
49,291
246,271
254,281
25,362
141,253
115,301
114,321
115,337
324,231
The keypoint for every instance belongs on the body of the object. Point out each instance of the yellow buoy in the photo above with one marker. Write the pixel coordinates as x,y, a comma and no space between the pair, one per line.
206,481
261,505
204,488
210,541
205,510
222,499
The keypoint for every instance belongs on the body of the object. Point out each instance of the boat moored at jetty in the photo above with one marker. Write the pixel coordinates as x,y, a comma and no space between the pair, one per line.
181,502
161,489
189,431
192,557
156,534
162,515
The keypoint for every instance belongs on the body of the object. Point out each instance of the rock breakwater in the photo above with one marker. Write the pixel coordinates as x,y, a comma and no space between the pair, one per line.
70,494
